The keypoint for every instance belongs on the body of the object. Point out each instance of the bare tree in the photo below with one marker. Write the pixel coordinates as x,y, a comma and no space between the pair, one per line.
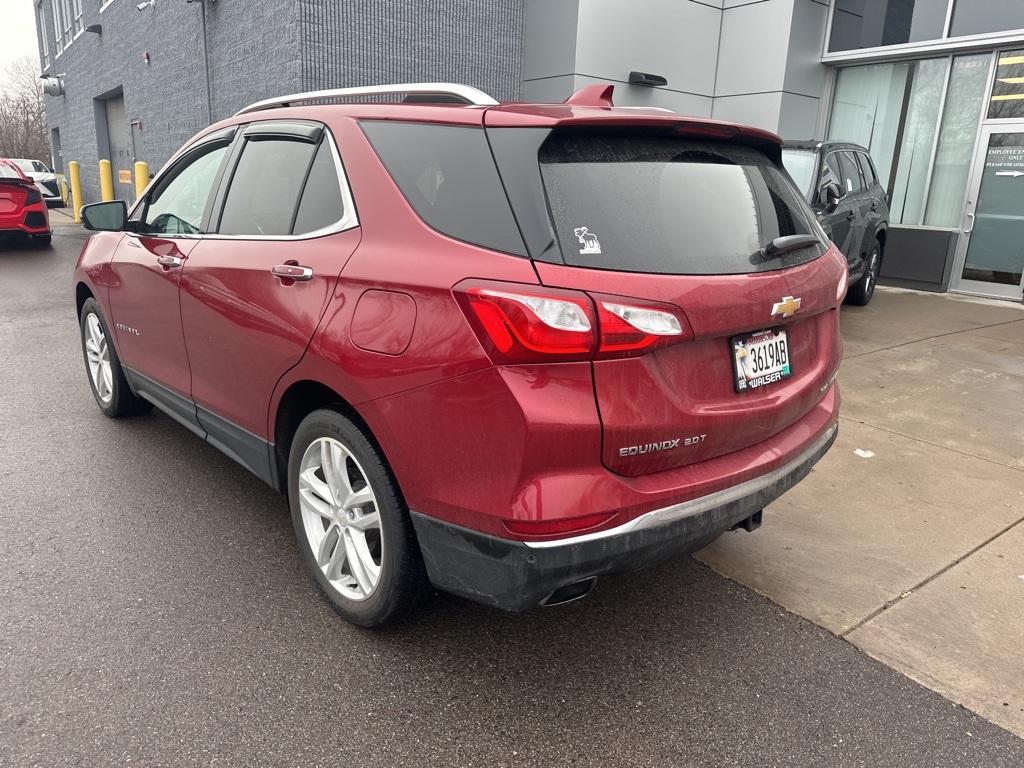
22,113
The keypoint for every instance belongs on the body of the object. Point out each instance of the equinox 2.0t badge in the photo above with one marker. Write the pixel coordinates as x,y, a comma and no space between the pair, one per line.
787,307
664,445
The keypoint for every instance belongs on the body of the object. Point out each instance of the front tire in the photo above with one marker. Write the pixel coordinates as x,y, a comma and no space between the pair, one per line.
860,293
352,523
106,378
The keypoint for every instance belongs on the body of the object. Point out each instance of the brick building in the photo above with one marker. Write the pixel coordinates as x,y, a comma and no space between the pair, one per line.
934,89
140,79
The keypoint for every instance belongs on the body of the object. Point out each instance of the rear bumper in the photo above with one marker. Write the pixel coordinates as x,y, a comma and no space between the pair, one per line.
28,221
515,575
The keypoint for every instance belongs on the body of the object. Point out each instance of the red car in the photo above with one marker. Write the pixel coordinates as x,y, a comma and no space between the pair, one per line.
22,208
500,349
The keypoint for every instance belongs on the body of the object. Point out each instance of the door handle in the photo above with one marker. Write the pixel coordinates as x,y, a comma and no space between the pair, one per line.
170,262
292,272
968,230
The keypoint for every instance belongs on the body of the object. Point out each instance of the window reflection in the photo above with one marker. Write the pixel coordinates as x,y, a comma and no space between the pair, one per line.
871,23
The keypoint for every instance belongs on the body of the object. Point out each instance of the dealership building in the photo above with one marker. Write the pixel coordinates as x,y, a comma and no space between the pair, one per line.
933,88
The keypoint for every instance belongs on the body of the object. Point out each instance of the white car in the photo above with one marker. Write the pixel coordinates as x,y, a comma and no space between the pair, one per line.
44,178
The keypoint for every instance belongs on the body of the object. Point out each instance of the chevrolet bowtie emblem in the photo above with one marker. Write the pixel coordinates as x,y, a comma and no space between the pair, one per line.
787,307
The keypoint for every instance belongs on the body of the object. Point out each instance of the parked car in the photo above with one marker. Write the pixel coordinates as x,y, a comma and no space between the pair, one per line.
44,178
840,182
22,210
500,349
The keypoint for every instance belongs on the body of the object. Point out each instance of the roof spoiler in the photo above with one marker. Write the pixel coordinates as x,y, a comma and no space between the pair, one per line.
592,96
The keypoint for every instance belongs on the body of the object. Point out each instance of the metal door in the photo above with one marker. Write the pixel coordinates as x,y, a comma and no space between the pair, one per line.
990,255
120,143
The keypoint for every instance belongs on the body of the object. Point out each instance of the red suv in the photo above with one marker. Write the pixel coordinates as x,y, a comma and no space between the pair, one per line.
500,349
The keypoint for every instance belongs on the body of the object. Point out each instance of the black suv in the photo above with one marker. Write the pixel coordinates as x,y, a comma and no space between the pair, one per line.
839,180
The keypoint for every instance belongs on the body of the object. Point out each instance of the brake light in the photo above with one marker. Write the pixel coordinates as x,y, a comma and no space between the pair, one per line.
33,196
552,527
520,324
529,325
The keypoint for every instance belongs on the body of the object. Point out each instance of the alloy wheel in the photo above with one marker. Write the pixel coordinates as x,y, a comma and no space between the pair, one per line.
98,356
341,518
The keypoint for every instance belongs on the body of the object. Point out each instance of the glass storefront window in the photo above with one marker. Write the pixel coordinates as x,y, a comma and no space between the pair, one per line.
1008,89
871,23
893,110
920,120
866,110
957,133
975,17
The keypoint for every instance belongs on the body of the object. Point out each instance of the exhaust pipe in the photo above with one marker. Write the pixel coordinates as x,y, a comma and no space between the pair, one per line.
570,592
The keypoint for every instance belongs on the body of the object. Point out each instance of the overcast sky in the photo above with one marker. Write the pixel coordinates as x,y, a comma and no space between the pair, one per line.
18,23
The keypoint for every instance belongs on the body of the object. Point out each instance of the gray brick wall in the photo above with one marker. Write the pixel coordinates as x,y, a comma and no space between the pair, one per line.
263,48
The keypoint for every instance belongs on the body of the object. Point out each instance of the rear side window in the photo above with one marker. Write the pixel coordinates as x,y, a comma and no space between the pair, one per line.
447,175
670,205
265,187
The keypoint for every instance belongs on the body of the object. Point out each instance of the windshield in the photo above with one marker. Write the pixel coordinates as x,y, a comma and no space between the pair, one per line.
670,205
30,166
7,172
800,165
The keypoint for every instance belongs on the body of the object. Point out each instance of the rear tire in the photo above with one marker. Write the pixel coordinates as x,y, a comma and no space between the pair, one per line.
860,293
352,523
106,378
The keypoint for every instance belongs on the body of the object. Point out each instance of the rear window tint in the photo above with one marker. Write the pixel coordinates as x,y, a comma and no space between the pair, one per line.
670,205
448,176
321,203
265,187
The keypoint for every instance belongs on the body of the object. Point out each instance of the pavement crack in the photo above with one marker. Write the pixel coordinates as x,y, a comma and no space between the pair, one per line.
923,583
929,338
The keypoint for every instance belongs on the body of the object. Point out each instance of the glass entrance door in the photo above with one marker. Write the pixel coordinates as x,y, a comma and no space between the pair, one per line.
990,255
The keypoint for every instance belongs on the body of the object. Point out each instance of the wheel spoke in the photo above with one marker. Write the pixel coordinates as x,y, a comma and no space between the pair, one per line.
326,547
332,461
357,557
339,556
316,493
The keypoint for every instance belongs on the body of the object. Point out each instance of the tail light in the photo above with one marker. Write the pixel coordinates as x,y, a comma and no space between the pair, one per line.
33,196
526,326
519,323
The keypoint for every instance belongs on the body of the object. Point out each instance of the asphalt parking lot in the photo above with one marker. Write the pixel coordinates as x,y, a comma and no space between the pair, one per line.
156,611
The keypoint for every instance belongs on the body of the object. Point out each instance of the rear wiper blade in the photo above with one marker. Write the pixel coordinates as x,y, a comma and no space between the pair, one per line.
781,245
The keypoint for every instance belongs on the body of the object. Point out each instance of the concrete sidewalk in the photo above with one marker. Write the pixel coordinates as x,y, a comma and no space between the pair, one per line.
907,539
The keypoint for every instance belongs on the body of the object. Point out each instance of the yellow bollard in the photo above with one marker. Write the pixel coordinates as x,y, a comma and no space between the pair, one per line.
106,182
76,190
141,178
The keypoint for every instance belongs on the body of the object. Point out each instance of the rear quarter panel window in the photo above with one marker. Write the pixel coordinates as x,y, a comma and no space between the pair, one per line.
670,205
447,175
322,204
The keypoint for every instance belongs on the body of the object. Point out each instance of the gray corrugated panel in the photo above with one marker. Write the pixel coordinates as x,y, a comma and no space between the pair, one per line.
362,42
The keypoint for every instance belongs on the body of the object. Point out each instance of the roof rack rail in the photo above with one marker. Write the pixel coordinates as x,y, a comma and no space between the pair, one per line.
452,92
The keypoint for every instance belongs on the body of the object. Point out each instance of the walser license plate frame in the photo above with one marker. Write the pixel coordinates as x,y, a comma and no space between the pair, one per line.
760,358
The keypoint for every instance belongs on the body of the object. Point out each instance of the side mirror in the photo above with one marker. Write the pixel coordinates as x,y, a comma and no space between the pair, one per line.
105,217
832,194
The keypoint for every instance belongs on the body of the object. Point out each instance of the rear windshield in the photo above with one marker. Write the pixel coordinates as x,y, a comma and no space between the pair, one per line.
670,205
800,165
8,172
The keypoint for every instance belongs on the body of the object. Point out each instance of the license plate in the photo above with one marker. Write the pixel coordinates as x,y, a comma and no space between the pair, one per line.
760,358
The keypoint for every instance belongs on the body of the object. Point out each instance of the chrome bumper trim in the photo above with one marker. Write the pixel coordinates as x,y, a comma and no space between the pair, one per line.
666,515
